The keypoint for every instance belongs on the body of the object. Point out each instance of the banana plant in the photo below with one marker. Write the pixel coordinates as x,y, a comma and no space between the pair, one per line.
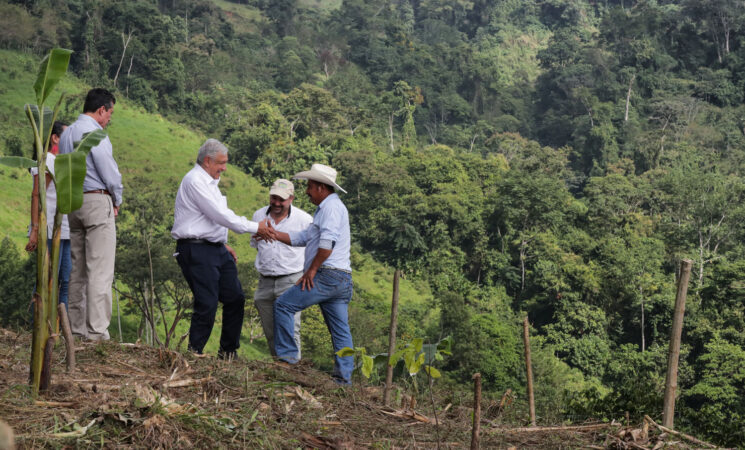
70,172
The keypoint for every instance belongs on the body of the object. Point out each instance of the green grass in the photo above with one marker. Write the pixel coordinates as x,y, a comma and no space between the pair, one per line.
244,18
150,146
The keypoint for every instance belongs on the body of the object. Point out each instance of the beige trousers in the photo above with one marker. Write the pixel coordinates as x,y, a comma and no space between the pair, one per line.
93,250
268,290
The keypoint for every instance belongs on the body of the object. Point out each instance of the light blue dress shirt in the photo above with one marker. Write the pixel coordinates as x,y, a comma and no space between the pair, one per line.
102,172
329,230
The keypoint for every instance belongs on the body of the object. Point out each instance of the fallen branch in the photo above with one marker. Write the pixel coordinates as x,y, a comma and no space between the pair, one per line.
77,433
564,428
678,433
55,404
409,415
184,383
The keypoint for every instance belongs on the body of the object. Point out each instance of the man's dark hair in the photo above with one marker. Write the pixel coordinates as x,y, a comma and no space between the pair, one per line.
57,128
97,98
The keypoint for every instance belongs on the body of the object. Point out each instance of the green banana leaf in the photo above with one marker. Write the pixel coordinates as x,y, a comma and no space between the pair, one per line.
69,172
17,161
51,70
45,127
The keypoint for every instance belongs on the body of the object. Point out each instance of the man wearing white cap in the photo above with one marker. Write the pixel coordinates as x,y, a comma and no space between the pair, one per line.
279,265
327,277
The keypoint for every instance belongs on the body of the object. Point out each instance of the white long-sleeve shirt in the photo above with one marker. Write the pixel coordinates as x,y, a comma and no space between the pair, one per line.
52,201
275,258
202,212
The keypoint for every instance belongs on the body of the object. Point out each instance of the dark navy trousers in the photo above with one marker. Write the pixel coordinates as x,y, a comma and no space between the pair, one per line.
213,277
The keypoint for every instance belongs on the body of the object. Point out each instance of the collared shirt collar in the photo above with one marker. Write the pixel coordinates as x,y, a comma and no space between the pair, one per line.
333,194
90,119
207,178
269,210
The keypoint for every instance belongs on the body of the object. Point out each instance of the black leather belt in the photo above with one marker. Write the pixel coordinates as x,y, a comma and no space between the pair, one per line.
97,191
199,241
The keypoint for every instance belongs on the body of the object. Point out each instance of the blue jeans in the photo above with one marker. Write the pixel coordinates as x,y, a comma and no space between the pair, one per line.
332,291
65,266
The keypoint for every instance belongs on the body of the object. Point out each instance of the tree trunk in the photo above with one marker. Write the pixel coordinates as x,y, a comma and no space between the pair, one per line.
125,44
641,297
628,98
671,381
529,370
392,338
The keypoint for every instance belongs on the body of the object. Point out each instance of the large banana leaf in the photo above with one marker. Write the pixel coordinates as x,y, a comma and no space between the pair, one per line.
69,172
17,161
51,70
45,126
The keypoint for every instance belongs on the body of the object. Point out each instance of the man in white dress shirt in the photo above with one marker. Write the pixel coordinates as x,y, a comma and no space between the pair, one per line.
279,265
200,226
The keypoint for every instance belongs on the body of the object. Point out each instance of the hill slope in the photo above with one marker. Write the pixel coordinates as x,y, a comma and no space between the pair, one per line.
139,396
160,151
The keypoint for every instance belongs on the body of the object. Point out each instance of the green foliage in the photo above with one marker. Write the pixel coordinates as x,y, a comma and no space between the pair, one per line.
557,158
416,356
366,362
69,170
16,285
717,400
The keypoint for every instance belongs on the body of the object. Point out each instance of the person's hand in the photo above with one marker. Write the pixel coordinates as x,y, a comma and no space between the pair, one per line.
116,211
265,231
232,252
32,240
306,281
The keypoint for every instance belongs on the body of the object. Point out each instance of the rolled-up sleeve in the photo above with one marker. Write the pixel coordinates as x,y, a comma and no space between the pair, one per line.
329,226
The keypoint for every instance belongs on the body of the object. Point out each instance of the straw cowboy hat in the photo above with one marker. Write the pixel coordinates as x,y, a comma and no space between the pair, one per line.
322,174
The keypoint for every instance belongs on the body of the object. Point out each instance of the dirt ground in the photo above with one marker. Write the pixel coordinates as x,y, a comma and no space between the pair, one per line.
136,396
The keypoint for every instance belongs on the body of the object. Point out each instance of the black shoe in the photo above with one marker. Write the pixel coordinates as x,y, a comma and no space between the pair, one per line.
227,356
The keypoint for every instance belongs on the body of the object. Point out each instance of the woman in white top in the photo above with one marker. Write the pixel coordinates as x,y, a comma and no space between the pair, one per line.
65,264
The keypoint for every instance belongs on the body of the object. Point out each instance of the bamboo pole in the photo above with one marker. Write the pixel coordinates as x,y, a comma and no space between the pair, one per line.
529,370
476,411
392,338
671,381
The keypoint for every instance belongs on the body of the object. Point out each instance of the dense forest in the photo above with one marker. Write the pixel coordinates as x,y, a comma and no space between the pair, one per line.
555,158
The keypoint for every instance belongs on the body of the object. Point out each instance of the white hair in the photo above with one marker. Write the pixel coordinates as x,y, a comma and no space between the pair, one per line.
211,148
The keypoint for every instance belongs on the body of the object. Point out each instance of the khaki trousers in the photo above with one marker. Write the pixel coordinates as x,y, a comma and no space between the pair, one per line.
268,290
93,250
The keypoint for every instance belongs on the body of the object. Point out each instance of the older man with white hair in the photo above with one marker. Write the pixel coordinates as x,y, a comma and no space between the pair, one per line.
327,277
201,223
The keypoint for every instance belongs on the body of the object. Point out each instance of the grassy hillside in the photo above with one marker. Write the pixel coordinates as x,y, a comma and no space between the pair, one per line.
150,146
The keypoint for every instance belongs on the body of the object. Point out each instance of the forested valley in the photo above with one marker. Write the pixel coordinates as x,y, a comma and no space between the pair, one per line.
553,158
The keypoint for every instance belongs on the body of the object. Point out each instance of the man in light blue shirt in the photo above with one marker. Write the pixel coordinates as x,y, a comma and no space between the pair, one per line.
92,227
327,277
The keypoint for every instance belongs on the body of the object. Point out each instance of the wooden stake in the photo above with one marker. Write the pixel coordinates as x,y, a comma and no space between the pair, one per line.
476,411
67,333
529,370
671,381
391,339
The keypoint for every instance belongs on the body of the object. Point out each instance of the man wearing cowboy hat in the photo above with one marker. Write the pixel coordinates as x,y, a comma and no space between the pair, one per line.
327,277
279,265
